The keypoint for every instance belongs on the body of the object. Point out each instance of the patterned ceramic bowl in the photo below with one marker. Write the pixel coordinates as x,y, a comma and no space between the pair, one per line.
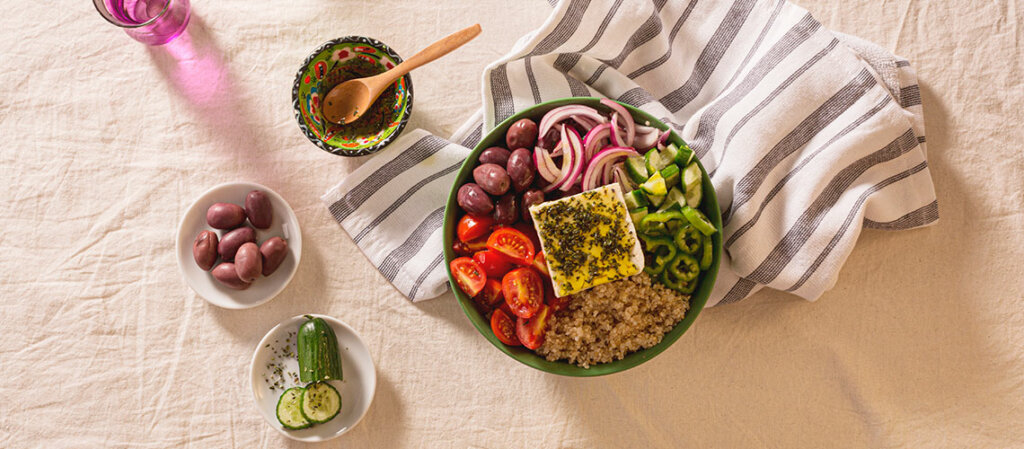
314,80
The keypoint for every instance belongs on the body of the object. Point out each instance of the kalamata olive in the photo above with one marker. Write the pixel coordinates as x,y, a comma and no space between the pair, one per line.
204,250
258,209
495,155
531,197
551,138
506,210
233,240
520,169
492,178
474,200
273,252
522,134
248,262
225,216
225,274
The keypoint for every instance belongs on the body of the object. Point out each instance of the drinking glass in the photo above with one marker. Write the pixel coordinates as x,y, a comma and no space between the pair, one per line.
152,22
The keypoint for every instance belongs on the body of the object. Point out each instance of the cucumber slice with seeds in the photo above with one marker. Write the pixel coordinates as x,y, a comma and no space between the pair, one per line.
320,402
674,200
655,185
694,195
636,169
671,175
684,156
289,409
656,200
654,161
636,199
637,214
691,176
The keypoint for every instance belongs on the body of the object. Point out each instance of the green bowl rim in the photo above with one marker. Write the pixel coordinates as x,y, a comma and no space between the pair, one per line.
528,357
364,150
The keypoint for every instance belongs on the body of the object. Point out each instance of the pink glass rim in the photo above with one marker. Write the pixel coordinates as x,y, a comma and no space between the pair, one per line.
102,7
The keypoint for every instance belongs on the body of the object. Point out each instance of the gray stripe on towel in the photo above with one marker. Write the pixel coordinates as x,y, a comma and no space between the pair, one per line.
798,137
920,217
771,97
710,56
809,220
398,257
793,172
402,199
416,153
934,206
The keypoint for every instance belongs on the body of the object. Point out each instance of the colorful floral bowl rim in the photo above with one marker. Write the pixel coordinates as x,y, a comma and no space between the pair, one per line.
697,300
396,129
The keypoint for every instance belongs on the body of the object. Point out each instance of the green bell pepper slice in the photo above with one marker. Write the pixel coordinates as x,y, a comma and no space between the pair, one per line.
698,220
664,252
684,267
707,254
688,239
661,223
679,286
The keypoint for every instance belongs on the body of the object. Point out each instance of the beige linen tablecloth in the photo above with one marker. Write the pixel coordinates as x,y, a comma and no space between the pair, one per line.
106,142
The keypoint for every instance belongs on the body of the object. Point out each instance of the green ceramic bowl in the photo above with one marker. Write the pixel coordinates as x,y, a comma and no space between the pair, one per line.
709,204
312,82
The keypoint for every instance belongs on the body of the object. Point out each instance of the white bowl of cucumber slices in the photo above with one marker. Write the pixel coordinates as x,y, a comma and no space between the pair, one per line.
316,390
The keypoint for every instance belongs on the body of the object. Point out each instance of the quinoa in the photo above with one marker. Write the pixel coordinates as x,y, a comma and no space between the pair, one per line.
607,322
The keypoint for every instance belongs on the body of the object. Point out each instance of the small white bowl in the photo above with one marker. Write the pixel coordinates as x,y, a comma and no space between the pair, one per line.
357,388
284,225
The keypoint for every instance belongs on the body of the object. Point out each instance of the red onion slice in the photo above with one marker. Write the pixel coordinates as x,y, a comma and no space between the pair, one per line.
626,121
576,149
595,139
609,155
559,114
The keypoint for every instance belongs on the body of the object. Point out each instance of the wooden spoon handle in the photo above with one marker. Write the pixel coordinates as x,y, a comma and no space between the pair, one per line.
435,50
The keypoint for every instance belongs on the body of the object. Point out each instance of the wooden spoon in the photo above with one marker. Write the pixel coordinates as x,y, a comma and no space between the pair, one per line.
347,101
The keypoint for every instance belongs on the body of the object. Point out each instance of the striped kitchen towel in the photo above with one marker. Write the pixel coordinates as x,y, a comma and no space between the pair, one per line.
809,135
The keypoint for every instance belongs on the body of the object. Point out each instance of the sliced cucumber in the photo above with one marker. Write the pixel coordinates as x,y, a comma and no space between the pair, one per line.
636,199
670,152
654,162
637,214
655,185
694,195
691,175
289,409
320,402
636,169
671,175
317,351
656,200
684,156
674,200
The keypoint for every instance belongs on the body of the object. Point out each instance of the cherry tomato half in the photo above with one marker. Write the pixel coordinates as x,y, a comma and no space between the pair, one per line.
524,291
468,275
513,244
540,264
529,231
463,249
490,296
472,227
504,328
494,263
531,330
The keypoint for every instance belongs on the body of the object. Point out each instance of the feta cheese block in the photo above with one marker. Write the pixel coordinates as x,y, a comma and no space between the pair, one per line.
588,239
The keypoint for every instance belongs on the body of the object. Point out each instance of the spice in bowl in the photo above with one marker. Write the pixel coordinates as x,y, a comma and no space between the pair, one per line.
333,63
371,121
